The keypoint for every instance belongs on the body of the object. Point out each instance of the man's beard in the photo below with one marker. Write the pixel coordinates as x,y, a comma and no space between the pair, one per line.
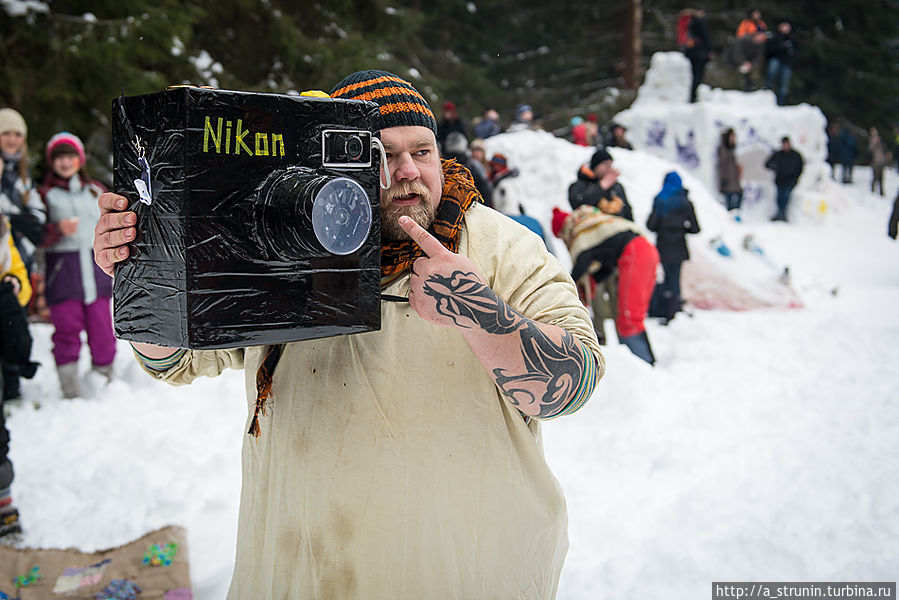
422,213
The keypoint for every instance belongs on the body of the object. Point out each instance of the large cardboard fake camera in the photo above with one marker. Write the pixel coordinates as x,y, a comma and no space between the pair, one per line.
258,218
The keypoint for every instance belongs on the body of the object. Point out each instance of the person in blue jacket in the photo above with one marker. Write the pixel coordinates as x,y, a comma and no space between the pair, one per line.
672,218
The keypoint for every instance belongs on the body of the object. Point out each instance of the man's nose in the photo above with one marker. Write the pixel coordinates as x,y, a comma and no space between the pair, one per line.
404,167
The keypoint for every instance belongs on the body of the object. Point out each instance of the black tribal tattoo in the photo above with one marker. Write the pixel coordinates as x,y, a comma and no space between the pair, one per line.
469,303
558,366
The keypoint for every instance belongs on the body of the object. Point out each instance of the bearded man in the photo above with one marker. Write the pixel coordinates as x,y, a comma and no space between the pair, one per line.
407,462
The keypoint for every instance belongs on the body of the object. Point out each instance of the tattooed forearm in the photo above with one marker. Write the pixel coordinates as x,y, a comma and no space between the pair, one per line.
470,303
559,367
552,371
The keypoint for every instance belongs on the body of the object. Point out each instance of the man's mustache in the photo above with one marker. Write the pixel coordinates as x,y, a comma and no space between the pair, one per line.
406,188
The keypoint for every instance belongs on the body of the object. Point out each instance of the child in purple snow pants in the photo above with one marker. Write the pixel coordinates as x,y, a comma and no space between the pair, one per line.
70,318
78,293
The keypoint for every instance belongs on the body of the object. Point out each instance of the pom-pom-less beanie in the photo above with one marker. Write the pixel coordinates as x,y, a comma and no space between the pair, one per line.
399,103
600,156
558,221
12,120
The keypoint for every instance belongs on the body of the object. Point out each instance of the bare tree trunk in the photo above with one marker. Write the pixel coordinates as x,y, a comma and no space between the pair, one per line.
633,44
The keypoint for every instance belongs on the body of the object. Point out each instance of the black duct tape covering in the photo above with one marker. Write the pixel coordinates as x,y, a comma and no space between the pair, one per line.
258,218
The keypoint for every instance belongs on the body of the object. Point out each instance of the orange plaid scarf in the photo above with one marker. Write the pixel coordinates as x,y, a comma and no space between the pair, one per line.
459,193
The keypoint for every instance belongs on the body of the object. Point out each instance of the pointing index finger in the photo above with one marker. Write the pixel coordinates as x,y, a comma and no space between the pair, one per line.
427,242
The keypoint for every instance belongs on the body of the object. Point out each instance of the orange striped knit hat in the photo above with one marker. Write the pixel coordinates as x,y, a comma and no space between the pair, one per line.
399,102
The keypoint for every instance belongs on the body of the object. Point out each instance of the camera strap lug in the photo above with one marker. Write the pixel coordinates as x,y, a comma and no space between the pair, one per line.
377,142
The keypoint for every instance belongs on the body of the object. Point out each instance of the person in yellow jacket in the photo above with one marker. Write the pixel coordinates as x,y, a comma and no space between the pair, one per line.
12,266
407,463
15,348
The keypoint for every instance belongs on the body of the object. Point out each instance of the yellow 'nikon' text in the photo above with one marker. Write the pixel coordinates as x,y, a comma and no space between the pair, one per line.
235,139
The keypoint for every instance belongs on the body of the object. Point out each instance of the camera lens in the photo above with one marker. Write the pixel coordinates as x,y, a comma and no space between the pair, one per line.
354,147
301,213
341,216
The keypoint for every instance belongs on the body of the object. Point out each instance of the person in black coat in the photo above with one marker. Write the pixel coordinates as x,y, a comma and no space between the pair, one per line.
597,185
450,122
787,166
893,227
845,152
616,138
779,51
15,349
672,218
699,48
456,147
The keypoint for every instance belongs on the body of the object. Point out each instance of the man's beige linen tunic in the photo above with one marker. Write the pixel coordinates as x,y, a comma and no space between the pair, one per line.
389,465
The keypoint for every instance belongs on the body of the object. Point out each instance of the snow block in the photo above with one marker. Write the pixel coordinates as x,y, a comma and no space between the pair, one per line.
663,122
258,218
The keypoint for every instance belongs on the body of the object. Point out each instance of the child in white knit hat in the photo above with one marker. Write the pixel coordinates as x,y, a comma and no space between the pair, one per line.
22,207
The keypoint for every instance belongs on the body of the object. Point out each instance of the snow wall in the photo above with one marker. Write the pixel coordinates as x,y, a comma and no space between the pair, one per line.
663,122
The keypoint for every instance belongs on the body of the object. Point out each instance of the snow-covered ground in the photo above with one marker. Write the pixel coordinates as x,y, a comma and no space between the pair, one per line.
763,446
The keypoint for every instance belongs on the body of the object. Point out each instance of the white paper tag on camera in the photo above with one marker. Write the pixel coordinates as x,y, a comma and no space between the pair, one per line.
142,191
143,184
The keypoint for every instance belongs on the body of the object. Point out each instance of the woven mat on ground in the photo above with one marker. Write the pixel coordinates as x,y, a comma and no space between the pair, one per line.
154,566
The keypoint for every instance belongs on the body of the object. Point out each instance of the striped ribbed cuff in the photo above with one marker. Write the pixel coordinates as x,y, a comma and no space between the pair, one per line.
160,364
585,388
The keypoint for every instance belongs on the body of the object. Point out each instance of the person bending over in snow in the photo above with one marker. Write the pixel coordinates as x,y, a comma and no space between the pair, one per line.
600,243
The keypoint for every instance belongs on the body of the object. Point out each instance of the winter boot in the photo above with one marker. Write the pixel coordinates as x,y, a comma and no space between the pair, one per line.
11,389
10,527
639,345
600,329
68,380
9,516
104,370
